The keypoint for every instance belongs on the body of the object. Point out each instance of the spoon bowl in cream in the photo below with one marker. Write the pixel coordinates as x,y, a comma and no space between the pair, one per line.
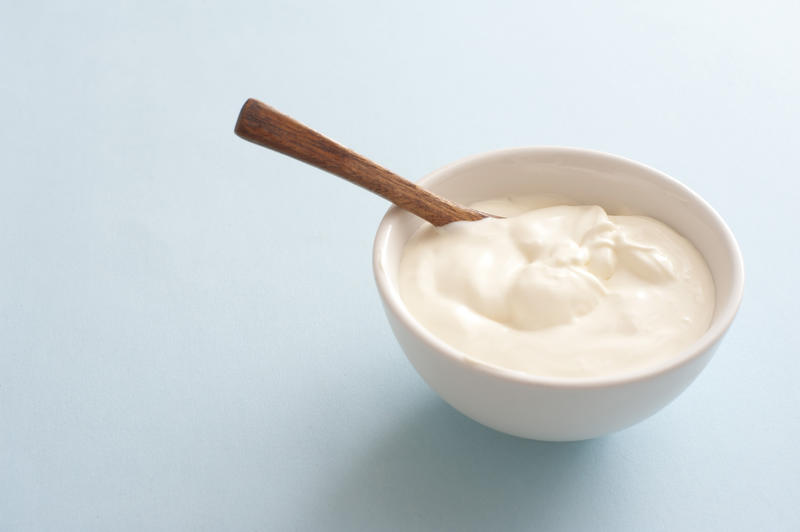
541,406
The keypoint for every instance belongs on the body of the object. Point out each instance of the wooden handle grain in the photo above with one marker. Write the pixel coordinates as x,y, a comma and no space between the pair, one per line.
263,125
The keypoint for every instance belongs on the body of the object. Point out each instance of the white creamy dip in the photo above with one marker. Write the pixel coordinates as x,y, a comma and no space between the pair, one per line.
556,289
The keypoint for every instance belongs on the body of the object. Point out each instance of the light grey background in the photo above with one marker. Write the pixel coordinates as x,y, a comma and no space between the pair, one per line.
190,337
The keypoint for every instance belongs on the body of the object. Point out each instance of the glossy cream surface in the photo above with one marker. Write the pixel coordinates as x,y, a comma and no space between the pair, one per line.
558,289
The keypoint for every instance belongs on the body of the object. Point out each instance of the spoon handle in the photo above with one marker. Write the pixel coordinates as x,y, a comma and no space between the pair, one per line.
261,124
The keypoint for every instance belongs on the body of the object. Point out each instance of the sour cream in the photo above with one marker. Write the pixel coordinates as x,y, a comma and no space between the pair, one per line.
558,289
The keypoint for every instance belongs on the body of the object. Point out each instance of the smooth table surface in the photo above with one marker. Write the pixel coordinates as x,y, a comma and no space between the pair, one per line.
190,337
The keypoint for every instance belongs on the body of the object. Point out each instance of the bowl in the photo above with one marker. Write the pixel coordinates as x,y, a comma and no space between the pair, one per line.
538,406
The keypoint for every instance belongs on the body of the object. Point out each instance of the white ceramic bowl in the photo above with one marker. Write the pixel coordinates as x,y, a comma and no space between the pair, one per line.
538,406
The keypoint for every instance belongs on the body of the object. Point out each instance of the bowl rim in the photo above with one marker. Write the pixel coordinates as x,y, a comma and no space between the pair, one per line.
719,325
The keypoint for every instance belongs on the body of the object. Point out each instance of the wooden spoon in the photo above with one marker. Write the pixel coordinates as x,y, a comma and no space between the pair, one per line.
261,124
